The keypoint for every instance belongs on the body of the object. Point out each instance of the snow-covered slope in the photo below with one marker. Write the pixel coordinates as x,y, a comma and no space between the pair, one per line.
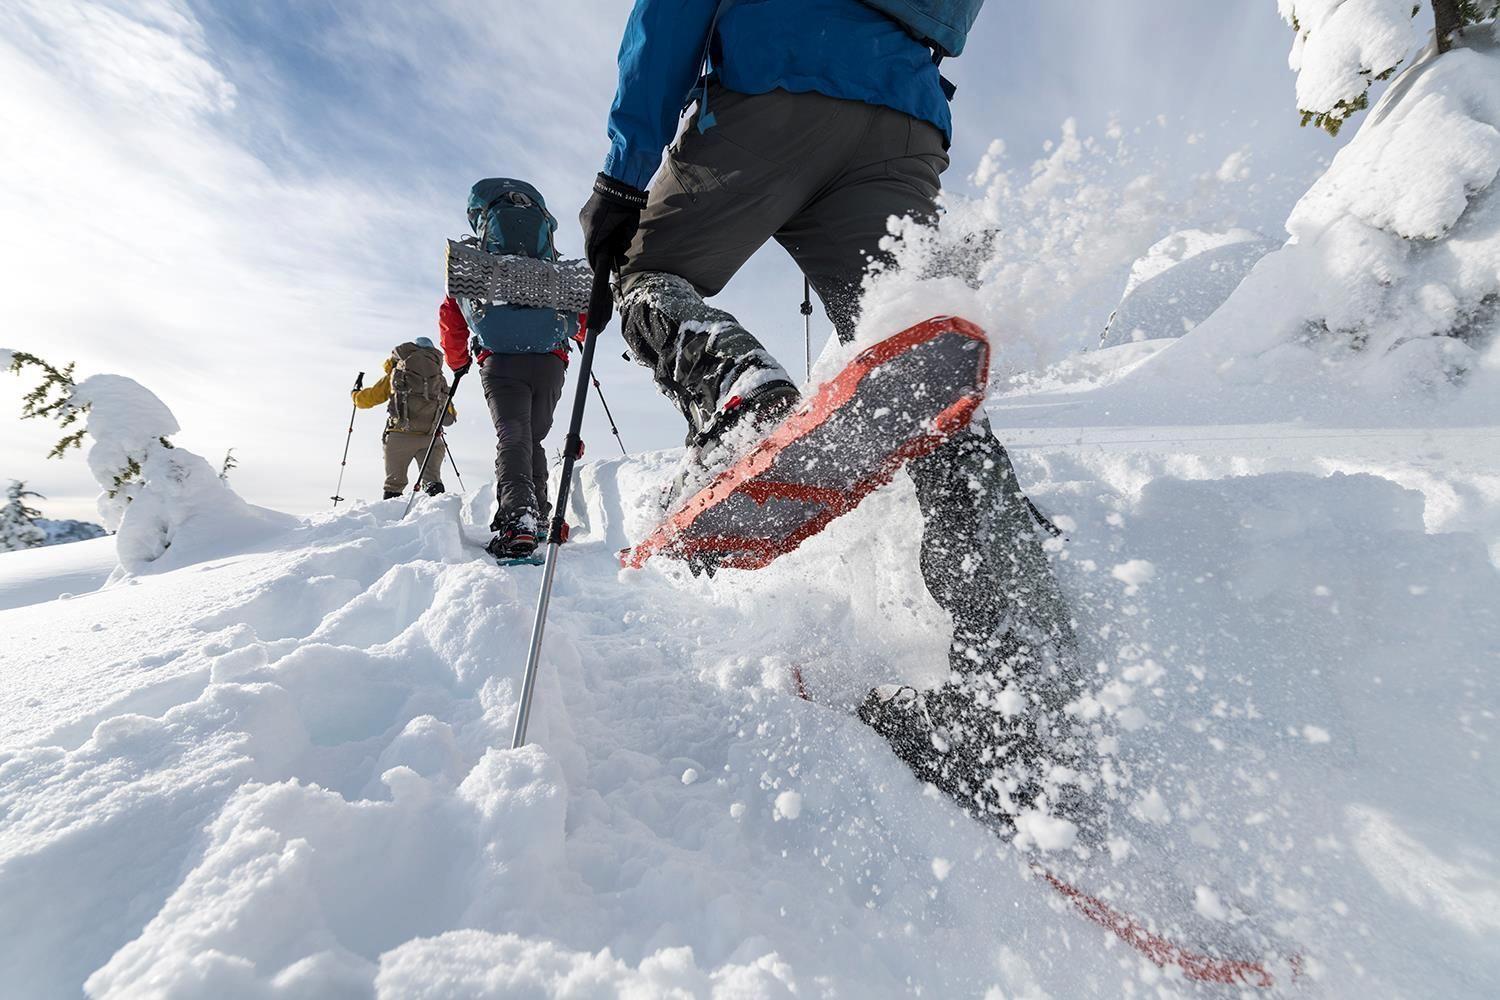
30,576
283,772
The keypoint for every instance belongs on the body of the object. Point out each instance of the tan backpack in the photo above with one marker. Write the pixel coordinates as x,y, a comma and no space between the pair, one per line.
418,389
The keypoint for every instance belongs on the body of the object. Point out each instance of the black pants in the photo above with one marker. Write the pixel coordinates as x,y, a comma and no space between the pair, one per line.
522,391
821,176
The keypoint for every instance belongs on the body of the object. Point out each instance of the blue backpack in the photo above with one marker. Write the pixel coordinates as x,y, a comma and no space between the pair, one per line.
510,217
942,24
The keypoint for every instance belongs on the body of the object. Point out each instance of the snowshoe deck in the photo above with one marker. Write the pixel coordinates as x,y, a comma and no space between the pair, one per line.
897,400
535,559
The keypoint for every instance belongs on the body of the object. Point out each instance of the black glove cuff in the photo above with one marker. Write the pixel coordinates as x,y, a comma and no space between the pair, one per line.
617,190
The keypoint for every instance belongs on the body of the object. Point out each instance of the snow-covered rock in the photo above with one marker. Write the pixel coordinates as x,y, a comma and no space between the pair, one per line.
1180,281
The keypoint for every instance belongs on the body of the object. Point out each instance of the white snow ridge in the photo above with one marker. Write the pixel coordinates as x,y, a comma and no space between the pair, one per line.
282,771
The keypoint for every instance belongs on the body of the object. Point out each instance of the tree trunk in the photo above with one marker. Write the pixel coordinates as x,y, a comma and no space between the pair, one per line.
1447,20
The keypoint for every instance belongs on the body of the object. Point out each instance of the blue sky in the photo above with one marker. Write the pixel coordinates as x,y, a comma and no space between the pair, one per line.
254,196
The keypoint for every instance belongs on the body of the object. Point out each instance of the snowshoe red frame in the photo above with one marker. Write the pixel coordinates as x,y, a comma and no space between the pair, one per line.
675,537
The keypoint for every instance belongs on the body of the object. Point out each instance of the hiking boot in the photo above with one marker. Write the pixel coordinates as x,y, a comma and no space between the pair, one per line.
391,494
988,740
742,421
516,535
434,488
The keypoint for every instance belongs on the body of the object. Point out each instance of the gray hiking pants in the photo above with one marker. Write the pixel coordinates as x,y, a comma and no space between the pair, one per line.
522,391
821,176
402,450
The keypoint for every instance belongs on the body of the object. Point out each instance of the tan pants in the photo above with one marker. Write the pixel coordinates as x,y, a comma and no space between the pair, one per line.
401,450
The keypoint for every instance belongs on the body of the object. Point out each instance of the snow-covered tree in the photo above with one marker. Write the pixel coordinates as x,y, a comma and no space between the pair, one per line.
49,397
1343,46
1391,277
154,494
18,527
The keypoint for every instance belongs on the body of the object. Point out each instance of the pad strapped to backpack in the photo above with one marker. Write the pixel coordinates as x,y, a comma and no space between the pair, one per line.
515,280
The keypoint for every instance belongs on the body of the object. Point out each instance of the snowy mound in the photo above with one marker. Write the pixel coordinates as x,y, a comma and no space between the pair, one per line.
284,773
1180,281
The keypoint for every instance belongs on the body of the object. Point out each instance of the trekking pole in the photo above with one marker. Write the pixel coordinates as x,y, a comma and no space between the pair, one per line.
807,323
571,451
610,416
437,428
359,383
454,462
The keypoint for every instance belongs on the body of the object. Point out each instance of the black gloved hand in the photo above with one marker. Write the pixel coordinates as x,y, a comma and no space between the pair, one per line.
462,369
609,220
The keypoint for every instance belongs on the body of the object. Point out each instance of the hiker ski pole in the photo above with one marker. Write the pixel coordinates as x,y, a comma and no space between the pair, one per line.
807,323
437,428
454,462
359,383
610,416
572,448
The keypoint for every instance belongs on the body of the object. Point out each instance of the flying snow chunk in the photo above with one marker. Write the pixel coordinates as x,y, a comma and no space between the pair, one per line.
1010,702
1208,904
1152,808
1315,734
1133,572
1047,832
689,776
788,805
940,868
736,810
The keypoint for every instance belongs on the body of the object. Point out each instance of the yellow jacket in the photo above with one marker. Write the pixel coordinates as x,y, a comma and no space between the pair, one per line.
380,393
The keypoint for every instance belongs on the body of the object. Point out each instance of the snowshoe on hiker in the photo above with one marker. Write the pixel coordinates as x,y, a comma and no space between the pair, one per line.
515,537
763,156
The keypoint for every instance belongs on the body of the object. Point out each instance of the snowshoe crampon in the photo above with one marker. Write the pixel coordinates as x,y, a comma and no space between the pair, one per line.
897,400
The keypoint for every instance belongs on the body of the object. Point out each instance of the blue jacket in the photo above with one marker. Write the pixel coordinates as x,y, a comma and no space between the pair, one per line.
841,48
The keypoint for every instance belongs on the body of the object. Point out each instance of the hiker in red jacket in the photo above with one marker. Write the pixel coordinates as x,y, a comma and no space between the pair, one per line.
522,353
